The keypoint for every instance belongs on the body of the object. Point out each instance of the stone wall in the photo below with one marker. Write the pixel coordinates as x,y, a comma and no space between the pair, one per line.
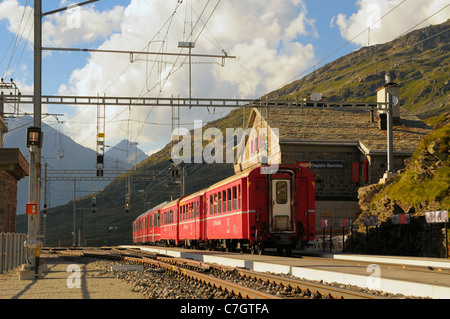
378,166
13,167
8,202
331,183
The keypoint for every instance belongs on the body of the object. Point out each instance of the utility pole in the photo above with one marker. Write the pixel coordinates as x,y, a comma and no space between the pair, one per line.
74,213
32,245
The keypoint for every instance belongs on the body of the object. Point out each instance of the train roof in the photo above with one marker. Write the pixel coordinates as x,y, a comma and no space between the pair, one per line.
222,182
151,210
231,178
190,196
169,204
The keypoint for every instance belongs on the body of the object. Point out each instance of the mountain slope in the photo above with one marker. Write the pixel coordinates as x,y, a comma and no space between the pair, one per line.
126,152
110,224
61,152
419,61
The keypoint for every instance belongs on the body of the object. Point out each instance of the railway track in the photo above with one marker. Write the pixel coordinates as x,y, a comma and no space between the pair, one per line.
241,283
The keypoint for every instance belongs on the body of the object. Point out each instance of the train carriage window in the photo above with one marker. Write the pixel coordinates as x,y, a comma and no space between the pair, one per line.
215,204
282,190
229,199
197,206
219,201
234,197
210,204
224,201
239,196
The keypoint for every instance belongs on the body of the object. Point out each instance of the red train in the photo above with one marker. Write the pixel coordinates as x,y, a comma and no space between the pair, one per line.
248,211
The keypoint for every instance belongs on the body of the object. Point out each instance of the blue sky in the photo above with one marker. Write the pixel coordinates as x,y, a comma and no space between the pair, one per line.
276,42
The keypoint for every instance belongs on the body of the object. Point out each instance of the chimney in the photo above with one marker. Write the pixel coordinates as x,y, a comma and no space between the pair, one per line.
387,77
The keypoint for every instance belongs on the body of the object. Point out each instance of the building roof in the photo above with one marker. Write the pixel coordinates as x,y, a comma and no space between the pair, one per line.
13,161
341,126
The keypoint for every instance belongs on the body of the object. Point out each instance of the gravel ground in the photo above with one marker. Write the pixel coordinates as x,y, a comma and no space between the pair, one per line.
95,282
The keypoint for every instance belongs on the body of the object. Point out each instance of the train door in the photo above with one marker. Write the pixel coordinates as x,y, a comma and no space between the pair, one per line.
281,205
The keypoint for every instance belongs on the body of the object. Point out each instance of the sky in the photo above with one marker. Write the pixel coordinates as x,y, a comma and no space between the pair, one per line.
275,42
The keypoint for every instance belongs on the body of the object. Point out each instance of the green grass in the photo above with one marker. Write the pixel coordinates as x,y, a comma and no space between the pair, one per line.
411,188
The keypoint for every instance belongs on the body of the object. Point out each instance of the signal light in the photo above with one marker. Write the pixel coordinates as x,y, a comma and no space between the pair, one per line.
34,136
127,207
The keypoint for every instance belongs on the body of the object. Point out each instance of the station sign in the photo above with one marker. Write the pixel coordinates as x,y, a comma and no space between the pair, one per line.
321,164
437,216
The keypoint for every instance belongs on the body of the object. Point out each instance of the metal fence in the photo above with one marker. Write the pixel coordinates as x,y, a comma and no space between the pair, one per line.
12,251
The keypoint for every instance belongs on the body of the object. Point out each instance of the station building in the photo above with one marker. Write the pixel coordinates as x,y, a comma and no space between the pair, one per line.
13,167
345,147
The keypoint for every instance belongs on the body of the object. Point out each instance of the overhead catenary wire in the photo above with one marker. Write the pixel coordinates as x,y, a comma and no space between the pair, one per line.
386,57
344,45
17,38
145,90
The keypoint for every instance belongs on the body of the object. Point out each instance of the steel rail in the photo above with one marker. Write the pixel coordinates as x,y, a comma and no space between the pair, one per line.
322,289
243,291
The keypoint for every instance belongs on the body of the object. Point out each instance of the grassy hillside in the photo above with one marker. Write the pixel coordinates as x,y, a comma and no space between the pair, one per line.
419,61
110,224
424,185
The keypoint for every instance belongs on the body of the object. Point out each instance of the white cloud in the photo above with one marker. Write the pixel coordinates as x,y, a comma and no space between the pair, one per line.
400,20
263,35
74,26
80,25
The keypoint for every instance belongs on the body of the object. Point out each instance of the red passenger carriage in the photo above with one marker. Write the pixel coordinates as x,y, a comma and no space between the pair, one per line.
249,210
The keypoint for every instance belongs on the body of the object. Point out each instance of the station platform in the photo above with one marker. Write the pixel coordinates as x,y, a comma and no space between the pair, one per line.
59,281
409,276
